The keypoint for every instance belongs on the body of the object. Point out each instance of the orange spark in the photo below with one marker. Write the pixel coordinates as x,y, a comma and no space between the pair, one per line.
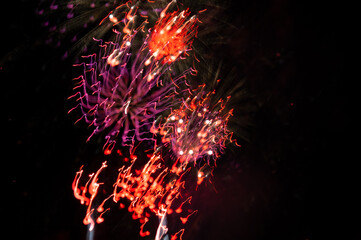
185,219
100,219
180,232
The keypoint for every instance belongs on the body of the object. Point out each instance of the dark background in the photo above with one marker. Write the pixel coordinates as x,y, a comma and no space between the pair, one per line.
293,179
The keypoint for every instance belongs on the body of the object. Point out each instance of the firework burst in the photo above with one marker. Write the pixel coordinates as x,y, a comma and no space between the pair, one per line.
125,87
172,35
120,96
197,129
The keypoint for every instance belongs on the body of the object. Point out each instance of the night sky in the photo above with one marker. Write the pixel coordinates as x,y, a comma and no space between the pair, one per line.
293,177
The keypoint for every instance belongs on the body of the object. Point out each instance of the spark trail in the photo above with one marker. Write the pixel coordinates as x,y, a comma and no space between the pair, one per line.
153,189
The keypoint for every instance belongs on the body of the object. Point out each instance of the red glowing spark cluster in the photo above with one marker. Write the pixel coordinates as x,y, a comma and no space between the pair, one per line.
172,36
152,189
196,129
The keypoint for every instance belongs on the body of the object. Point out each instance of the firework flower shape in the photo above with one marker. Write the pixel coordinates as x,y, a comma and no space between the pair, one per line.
197,129
113,95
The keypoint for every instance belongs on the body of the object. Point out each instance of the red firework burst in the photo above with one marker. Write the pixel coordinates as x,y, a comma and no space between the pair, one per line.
172,36
197,129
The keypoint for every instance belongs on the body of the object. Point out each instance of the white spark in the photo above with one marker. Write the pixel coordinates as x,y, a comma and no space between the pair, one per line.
126,106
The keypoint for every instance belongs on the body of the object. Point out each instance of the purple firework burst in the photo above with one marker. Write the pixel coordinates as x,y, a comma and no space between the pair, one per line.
118,92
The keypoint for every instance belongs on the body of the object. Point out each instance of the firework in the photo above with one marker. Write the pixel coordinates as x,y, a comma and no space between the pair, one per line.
77,22
114,95
120,90
135,89
197,129
91,189
172,35
153,189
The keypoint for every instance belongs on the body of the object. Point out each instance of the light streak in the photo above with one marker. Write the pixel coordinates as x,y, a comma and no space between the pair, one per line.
185,219
152,189
92,190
